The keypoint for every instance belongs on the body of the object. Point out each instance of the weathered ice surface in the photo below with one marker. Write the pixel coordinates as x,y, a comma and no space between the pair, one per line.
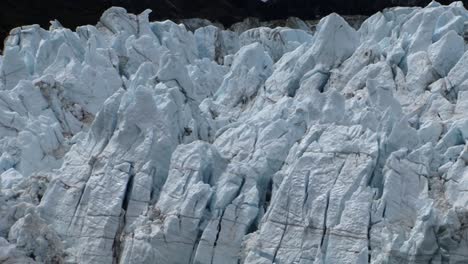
149,142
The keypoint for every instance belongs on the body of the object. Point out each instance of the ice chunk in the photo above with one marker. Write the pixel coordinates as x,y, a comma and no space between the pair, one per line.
446,52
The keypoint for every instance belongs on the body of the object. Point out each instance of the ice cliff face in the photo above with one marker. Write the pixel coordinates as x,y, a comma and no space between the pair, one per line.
139,142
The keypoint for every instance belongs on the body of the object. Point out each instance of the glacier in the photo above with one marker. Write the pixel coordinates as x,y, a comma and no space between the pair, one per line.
153,142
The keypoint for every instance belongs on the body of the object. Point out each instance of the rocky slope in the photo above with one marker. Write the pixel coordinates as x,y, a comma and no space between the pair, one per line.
143,142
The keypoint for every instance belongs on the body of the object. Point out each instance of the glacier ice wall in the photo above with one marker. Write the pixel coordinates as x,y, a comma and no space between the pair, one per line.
142,142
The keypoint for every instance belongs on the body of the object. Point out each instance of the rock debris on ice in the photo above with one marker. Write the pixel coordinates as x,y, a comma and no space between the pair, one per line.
146,142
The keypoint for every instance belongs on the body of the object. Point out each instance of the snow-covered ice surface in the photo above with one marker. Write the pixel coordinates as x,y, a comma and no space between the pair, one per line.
143,142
